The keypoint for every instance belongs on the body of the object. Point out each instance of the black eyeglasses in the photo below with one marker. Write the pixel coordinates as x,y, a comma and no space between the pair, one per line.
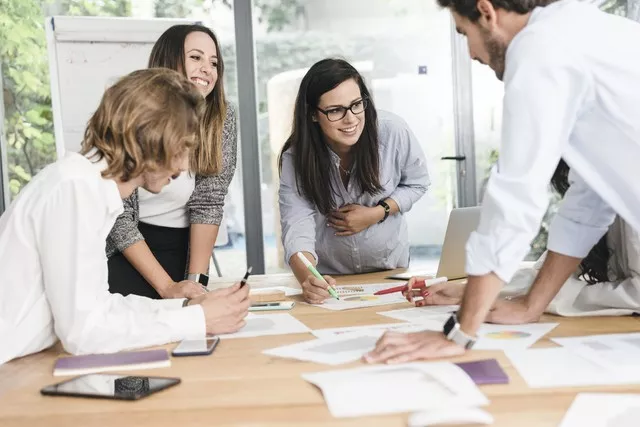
337,113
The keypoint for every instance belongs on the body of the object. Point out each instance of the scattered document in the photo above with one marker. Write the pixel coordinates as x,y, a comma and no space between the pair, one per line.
511,337
126,360
490,337
619,352
390,389
450,415
420,314
359,296
269,324
562,367
256,281
331,351
379,329
603,410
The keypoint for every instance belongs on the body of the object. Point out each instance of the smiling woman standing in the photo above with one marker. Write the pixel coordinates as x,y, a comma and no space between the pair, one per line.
161,244
348,174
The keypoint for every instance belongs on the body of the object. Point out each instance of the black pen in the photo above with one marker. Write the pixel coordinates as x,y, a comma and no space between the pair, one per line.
246,277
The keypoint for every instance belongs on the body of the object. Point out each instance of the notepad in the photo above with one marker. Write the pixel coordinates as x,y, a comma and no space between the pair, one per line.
124,361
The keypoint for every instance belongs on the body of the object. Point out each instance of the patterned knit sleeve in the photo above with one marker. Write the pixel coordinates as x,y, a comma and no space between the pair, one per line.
125,230
206,204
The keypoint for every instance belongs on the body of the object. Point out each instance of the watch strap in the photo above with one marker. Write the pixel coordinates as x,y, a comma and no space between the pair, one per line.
203,279
386,208
452,332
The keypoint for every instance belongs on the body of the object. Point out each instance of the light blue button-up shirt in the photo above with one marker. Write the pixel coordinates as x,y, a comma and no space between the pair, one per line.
404,178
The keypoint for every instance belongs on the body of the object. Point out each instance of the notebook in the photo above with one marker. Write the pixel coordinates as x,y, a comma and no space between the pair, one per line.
91,363
484,372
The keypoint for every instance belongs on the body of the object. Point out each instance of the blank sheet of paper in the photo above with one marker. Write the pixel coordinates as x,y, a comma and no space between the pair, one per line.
269,324
389,389
603,410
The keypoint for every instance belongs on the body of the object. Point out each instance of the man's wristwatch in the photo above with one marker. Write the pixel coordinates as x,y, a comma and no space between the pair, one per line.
386,208
203,279
453,333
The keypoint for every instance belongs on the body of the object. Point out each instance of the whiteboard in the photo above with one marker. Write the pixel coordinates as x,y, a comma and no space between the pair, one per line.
86,55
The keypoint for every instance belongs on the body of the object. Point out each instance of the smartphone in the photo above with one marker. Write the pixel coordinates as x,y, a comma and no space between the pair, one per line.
110,386
197,347
267,306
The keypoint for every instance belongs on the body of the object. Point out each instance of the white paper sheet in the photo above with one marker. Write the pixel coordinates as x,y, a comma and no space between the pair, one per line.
419,314
359,296
561,367
390,389
603,410
619,352
379,329
331,350
490,337
511,337
269,324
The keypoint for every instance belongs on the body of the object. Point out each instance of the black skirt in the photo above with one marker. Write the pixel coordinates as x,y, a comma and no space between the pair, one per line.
169,245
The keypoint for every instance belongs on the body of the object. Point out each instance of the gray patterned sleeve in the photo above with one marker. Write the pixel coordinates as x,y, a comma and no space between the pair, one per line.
125,230
207,201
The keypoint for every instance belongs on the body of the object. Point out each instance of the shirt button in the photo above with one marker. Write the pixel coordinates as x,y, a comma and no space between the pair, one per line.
358,266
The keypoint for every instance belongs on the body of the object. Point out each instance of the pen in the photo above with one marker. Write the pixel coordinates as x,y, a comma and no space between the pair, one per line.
417,285
246,277
313,271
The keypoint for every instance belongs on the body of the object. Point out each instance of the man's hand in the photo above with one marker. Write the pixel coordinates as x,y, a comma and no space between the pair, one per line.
396,347
352,219
314,290
513,312
438,294
225,309
185,289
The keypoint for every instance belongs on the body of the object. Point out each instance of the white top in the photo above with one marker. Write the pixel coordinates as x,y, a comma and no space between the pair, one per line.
619,297
572,86
169,207
53,271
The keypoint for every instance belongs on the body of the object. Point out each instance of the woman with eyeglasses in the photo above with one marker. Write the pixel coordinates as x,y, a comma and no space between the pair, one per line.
348,174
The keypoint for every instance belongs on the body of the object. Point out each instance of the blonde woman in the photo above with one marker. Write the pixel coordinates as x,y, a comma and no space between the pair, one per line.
52,265
162,239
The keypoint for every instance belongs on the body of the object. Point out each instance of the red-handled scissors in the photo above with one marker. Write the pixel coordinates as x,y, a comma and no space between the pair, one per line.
419,284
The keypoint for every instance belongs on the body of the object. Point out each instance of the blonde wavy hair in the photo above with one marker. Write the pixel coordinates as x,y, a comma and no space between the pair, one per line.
144,122
168,51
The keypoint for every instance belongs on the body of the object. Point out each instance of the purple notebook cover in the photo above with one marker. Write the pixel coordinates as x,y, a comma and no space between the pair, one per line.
484,372
92,361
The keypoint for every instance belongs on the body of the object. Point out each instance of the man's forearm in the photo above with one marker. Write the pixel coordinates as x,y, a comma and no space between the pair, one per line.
479,295
555,271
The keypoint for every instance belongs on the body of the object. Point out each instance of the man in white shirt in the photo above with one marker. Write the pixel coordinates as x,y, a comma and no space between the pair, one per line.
53,266
572,87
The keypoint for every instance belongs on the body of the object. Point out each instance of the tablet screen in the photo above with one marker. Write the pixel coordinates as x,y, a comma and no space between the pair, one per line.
111,386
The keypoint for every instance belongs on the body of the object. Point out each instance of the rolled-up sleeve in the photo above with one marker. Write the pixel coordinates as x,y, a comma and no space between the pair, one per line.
535,133
297,214
414,180
206,204
125,230
581,221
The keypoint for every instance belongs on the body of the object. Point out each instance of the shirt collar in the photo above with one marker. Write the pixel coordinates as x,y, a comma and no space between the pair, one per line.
112,193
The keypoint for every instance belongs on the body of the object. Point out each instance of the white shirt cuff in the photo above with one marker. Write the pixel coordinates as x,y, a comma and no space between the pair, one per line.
484,257
572,239
187,322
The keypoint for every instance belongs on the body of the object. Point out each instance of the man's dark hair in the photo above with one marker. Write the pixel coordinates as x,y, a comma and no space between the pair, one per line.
469,8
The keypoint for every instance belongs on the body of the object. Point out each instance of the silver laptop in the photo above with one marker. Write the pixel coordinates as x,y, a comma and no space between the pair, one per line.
462,222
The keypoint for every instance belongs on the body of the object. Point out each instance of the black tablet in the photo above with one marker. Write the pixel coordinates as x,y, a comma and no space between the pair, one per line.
110,386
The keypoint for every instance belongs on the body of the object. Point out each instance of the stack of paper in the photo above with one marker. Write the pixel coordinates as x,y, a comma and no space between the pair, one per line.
390,389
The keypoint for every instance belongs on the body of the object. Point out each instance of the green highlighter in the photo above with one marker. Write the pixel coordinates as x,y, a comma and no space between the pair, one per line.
315,272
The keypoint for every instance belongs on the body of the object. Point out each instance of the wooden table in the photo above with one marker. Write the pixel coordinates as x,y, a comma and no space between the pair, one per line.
239,386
